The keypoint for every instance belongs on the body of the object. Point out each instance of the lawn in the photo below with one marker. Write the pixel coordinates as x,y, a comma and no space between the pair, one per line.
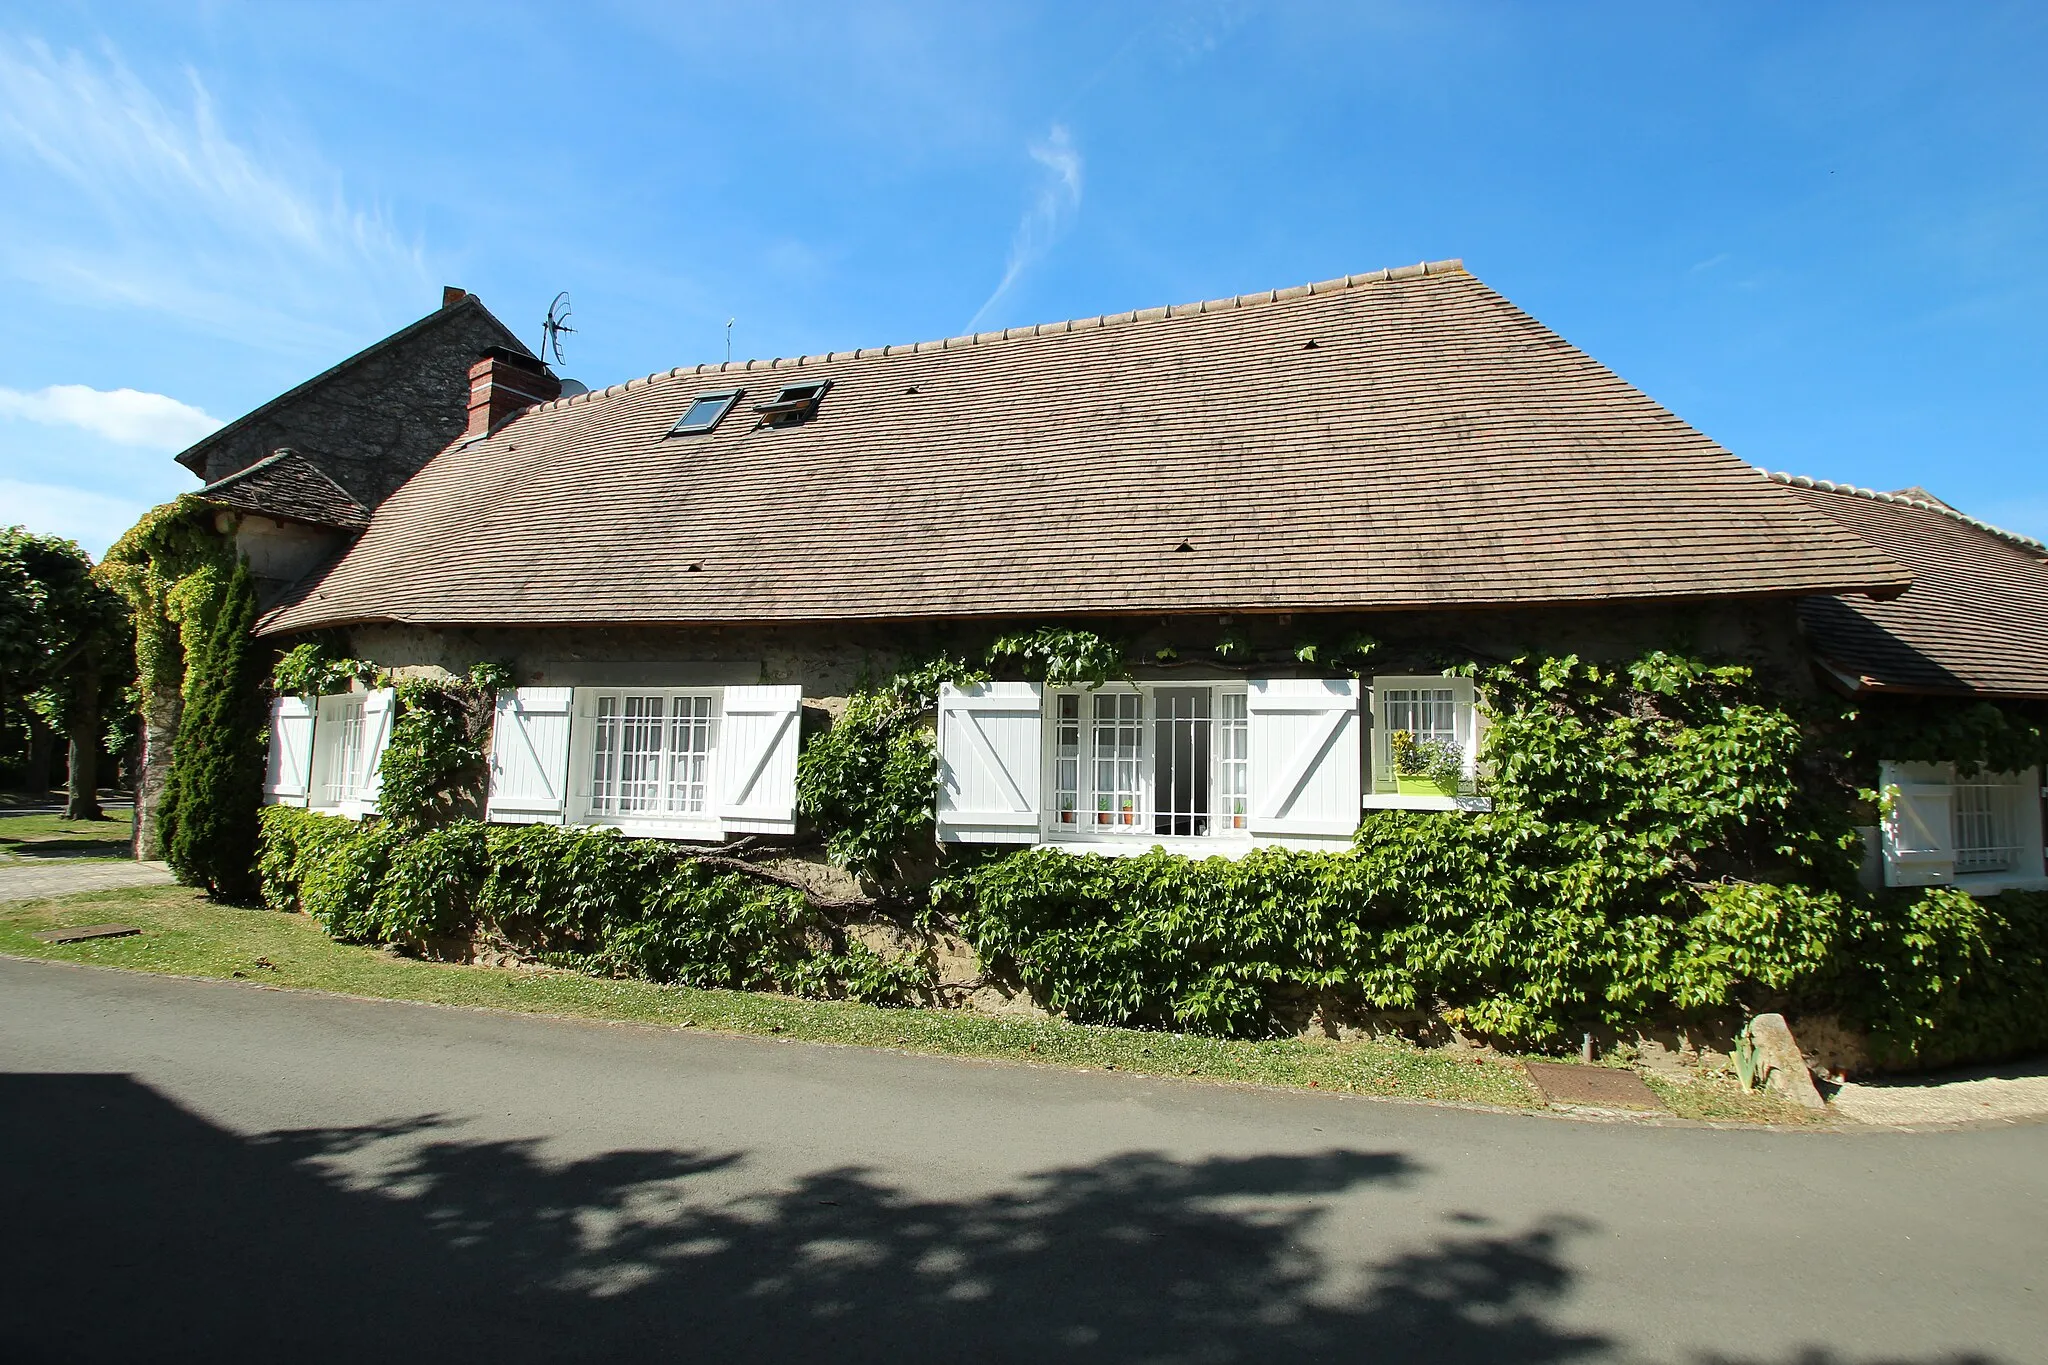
52,836
185,934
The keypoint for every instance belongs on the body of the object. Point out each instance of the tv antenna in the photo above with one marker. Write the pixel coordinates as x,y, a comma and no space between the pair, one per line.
728,339
557,323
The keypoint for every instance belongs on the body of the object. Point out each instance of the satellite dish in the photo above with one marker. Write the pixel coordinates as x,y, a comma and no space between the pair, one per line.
572,388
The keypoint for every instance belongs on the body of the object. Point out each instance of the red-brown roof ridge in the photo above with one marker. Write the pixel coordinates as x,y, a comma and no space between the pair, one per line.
1451,266
1925,505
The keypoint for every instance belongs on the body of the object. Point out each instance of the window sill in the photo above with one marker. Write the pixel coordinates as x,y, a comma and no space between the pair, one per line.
1181,847
690,831
1991,883
1417,801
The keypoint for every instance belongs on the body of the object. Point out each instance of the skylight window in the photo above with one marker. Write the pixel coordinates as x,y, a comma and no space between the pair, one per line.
706,411
794,403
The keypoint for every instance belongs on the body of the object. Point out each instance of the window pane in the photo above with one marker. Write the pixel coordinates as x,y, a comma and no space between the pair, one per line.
1116,742
640,750
1983,826
689,754
1233,762
604,757
1180,759
1066,760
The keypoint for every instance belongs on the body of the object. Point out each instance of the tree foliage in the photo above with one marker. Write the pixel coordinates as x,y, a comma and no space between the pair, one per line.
208,815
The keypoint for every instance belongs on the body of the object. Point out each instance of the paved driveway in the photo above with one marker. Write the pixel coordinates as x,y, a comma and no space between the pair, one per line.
23,879
213,1171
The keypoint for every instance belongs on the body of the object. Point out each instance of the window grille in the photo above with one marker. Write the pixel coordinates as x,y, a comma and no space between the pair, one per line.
1983,826
1172,762
1430,714
1118,744
345,778
651,754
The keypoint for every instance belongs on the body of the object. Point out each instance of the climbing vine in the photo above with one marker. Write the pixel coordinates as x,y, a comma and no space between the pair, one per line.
868,781
172,566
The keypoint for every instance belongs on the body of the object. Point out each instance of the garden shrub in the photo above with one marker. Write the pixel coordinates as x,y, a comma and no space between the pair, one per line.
208,813
1666,843
582,898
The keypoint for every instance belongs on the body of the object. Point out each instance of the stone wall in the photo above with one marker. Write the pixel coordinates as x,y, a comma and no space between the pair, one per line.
376,423
829,660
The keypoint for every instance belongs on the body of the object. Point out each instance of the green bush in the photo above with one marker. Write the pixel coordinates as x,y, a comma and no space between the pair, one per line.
208,813
584,898
867,782
1664,844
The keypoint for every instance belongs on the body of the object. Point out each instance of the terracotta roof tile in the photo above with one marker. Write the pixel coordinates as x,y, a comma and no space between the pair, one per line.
1436,447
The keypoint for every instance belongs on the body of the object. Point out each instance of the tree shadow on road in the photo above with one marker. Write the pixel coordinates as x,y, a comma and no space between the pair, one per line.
137,1230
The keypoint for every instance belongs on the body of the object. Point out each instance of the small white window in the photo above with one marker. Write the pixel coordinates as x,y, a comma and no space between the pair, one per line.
1150,762
349,734
649,754
1424,738
1984,817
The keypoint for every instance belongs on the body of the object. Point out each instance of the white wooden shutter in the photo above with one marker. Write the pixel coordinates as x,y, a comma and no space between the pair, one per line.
1304,758
380,708
1919,839
290,775
990,761
755,759
530,756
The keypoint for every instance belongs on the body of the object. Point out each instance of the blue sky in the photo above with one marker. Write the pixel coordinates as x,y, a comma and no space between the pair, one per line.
1816,232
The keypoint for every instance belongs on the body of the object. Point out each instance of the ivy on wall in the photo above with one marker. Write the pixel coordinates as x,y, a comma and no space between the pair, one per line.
1664,844
868,782
585,899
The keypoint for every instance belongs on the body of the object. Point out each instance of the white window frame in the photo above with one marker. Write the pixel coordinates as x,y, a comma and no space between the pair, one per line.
1382,786
331,786
1228,715
1989,814
587,805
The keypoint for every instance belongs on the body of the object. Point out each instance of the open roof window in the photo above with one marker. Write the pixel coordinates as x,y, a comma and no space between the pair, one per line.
794,403
706,411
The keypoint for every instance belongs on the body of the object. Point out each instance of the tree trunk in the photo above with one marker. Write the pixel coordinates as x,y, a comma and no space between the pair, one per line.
162,711
82,726
42,754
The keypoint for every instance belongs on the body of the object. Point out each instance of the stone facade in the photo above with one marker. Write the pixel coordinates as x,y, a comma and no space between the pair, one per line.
374,420
830,659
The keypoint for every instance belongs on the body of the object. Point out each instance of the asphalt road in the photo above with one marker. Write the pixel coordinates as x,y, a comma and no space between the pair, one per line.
193,1171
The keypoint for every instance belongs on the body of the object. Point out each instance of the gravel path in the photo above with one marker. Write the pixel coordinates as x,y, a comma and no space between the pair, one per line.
23,879
2012,1092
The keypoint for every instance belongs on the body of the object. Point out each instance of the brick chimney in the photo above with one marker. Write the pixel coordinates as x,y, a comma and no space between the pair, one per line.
452,294
503,382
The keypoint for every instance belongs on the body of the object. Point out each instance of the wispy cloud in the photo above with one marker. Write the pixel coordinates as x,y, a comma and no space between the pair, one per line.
127,416
1053,207
1701,267
131,197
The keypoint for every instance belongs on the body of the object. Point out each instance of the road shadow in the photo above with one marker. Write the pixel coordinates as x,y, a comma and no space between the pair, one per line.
136,1230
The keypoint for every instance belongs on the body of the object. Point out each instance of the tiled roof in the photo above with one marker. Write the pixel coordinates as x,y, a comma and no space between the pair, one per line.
1974,621
289,486
1402,439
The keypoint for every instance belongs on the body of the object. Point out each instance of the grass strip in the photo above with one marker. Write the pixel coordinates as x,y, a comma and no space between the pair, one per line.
187,935
51,837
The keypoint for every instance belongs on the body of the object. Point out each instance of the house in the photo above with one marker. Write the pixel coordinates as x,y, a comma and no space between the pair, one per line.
1974,626
298,478
688,570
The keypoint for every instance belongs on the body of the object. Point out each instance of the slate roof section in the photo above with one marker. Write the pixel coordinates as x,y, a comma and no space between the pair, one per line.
1975,620
1403,439
289,487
